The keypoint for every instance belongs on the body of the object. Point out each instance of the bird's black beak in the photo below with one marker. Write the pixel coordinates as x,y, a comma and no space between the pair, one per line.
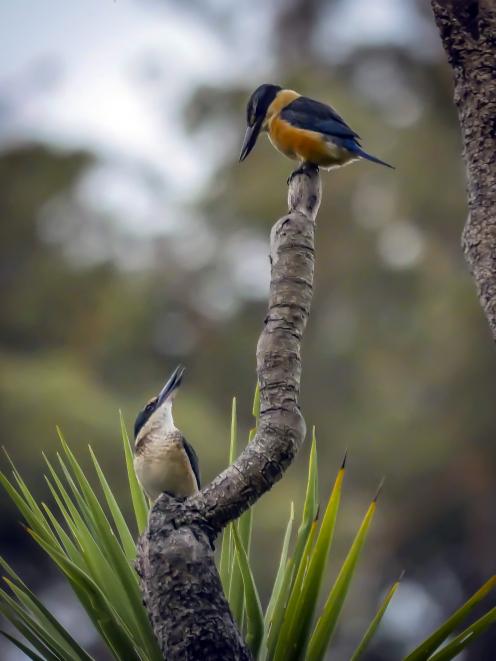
251,136
172,384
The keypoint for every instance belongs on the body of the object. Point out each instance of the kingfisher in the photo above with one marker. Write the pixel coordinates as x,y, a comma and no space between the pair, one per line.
164,461
305,130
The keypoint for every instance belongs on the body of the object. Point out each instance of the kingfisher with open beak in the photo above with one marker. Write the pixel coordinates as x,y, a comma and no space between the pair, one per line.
303,129
164,461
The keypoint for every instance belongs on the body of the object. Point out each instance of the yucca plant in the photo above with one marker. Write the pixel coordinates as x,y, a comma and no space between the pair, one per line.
91,543
290,629
94,551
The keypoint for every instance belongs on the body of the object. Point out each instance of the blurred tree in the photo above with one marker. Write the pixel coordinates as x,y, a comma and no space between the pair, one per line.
398,363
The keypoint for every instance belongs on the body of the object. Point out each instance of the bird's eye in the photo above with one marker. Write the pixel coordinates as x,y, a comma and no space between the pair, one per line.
151,405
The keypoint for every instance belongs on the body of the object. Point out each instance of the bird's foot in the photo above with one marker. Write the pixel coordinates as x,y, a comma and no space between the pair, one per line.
173,495
305,168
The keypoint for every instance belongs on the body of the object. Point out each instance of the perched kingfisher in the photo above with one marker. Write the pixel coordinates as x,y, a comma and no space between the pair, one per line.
163,458
303,129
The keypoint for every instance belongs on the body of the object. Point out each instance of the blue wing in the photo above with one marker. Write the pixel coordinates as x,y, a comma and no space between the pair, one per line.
193,460
305,113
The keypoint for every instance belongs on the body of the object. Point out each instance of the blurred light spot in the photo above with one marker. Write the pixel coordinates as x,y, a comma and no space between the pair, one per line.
193,242
414,616
351,23
215,298
124,193
87,239
248,259
382,81
373,203
175,335
339,327
400,245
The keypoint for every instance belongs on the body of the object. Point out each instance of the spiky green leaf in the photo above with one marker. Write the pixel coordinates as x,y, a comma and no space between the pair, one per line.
254,615
374,625
226,554
467,637
432,643
326,623
140,504
302,606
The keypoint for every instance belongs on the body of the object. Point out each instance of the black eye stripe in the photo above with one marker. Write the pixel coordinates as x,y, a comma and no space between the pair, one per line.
151,404
144,415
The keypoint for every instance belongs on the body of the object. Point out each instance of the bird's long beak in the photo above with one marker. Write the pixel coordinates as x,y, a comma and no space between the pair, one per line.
251,136
172,384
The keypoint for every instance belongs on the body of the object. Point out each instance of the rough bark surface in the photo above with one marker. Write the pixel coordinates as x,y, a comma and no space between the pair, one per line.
468,33
180,584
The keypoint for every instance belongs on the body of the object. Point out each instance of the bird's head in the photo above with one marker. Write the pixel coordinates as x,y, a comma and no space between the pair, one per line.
156,417
256,112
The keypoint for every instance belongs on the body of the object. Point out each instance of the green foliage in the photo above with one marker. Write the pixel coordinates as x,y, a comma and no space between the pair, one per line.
429,646
290,630
374,625
95,552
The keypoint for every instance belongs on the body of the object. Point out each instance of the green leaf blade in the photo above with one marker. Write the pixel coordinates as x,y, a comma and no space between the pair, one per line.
326,623
374,625
433,642
125,536
138,498
307,600
254,615
285,646
467,637
278,583
226,554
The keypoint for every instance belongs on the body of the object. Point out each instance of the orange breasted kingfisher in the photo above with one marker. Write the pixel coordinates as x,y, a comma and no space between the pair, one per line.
302,129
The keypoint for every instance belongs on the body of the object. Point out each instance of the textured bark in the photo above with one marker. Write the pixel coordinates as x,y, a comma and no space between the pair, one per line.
181,587
468,33
180,584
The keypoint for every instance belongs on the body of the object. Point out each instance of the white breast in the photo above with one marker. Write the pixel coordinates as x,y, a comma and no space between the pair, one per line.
163,465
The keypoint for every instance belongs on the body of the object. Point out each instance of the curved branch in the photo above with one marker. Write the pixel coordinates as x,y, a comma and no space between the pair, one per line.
468,33
281,428
179,581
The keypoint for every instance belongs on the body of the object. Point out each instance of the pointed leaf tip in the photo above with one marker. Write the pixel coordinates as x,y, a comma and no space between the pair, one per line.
379,489
401,576
343,463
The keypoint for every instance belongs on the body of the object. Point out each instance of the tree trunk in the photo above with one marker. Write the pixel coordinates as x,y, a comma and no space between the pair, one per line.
179,581
468,33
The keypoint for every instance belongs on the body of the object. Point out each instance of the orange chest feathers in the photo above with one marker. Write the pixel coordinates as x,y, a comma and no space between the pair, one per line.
294,142
302,144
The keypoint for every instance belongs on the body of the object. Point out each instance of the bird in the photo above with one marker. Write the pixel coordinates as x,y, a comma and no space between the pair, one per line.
164,461
302,129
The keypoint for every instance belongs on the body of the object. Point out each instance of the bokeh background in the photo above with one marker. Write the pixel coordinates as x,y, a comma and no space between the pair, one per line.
132,240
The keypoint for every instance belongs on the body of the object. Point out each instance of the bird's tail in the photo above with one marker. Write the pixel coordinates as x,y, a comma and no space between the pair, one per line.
363,154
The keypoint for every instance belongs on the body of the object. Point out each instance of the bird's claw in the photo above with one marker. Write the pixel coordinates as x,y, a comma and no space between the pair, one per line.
173,495
305,168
